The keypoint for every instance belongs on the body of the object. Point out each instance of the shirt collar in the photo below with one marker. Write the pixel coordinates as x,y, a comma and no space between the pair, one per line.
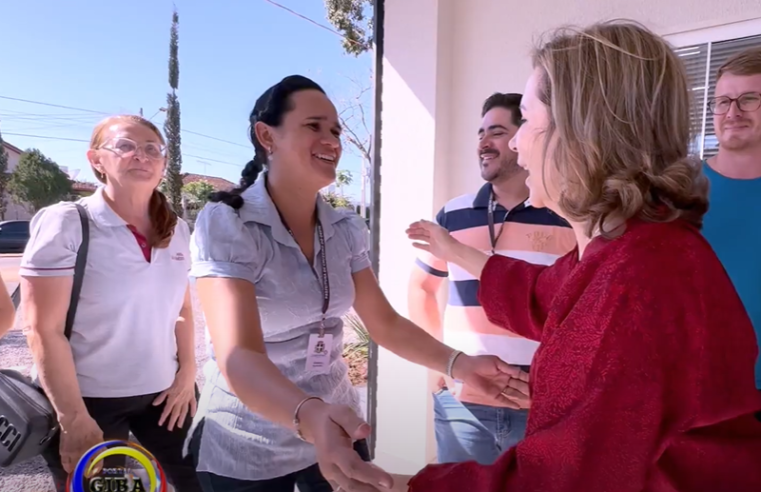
258,207
484,196
101,212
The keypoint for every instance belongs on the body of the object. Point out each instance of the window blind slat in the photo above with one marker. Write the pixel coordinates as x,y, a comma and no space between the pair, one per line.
695,59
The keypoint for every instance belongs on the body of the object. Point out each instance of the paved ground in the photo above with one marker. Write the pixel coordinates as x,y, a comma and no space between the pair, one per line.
32,476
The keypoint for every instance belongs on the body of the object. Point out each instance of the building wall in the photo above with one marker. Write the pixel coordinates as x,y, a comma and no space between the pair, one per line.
442,58
14,211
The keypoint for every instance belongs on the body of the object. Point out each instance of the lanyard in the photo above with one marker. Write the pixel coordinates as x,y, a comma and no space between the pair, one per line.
492,237
324,278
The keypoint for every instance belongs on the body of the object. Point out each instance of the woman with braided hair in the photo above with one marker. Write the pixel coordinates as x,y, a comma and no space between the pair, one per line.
276,269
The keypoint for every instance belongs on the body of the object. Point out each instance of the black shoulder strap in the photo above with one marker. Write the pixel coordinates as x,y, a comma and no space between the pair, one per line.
79,270
79,273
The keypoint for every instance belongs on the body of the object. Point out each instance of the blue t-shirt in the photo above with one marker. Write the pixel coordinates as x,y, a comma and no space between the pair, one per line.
733,229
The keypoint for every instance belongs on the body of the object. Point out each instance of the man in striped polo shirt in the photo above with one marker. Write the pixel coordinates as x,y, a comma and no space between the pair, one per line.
497,220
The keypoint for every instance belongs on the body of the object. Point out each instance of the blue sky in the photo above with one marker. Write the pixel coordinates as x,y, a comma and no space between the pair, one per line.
111,57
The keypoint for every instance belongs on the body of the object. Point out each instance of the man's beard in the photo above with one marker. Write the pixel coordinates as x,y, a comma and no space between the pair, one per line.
508,167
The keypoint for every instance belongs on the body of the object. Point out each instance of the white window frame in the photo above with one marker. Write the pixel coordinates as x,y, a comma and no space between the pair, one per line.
714,34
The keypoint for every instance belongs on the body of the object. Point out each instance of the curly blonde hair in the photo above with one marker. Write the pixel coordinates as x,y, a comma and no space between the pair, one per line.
620,107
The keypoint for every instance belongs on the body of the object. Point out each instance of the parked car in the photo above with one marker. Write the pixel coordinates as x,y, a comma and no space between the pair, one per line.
14,235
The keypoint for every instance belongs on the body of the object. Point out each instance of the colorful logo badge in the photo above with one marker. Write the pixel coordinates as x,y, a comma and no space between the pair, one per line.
91,474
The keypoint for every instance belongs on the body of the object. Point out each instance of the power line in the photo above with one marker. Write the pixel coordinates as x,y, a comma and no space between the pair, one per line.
41,103
216,138
52,105
312,21
211,160
49,137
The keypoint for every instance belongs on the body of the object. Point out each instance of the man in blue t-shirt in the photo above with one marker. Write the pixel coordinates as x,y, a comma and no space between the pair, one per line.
732,224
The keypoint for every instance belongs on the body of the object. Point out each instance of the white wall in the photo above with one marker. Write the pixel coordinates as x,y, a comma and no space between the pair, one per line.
416,116
442,59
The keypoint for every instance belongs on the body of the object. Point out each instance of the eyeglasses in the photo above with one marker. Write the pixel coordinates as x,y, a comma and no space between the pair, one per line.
748,102
126,147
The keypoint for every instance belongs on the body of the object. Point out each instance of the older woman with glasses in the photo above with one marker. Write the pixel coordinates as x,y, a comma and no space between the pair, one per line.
129,363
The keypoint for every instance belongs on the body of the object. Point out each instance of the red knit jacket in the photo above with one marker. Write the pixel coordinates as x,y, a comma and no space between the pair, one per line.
644,378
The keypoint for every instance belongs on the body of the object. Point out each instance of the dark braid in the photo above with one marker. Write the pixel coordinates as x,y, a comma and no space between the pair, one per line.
270,109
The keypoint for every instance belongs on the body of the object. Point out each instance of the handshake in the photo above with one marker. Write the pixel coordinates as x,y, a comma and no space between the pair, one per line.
493,381
333,429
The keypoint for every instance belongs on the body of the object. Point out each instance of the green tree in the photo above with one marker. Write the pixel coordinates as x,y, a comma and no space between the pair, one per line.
197,193
172,123
38,181
343,178
4,179
336,200
354,22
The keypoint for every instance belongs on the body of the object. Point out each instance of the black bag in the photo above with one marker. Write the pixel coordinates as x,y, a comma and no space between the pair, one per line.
27,419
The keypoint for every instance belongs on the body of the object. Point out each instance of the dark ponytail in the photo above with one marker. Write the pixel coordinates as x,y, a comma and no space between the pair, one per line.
163,220
270,109
247,178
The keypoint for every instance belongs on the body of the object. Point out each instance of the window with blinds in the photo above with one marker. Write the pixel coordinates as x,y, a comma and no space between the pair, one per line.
702,62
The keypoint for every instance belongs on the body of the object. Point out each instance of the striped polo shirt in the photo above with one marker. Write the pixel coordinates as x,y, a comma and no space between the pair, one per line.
536,235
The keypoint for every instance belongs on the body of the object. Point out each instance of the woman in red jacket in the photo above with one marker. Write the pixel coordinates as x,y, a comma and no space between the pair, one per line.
644,378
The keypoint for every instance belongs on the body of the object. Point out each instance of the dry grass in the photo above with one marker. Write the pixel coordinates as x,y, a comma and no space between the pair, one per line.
356,349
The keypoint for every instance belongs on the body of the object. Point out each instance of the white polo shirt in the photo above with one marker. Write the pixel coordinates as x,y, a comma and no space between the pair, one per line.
123,338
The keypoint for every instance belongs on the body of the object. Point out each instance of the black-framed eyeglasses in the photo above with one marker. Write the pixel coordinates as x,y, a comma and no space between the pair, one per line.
748,102
126,147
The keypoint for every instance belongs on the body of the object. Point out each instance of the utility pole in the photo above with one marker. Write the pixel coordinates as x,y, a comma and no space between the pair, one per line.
141,112
363,189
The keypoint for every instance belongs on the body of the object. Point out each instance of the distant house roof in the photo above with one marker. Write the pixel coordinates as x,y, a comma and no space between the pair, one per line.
83,186
12,148
219,184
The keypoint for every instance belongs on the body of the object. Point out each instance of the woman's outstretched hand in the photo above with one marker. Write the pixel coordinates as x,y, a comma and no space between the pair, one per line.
333,429
431,237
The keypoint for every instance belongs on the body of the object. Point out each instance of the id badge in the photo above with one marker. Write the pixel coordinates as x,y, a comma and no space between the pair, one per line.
318,353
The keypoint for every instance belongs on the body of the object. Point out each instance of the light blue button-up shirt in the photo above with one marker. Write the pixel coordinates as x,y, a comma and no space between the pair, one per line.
252,244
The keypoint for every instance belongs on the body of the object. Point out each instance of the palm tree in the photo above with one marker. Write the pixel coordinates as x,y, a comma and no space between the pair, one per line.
343,178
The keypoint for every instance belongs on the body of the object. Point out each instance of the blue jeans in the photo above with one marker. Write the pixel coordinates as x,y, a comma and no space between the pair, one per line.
467,431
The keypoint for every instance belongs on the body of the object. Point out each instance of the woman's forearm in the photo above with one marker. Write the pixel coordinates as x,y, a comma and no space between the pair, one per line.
55,365
186,355
260,385
393,332
7,312
407,340
468,258
232,318
184,332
